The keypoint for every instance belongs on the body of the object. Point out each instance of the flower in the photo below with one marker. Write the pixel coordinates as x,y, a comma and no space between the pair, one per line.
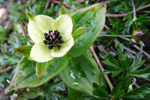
53,38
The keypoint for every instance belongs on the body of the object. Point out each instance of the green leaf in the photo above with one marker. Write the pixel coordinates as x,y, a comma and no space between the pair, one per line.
54,90
117,26
81,73
92,17
127,65
100,92
117,92
63,10
141,43
122,55
25,50
78,32
137,63
142,18
30,94
111,61
41,68
115,73
139,93
25,75
143,73
112,66
75,95
128,18
124,82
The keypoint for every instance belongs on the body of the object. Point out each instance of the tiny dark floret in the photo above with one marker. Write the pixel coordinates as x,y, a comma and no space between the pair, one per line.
56,33
50,31
59,37
49,42
45,34
61,41
50,47
45,42
54,45
58,46
47,37
53,39
56,41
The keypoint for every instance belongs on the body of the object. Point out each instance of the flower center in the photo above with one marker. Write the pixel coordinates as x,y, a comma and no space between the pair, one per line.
53,39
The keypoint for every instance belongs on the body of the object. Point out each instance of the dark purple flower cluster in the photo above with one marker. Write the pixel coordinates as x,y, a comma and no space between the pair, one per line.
53,39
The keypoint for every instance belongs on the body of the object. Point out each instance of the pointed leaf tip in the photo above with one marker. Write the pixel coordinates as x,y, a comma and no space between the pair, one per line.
30,58
30,16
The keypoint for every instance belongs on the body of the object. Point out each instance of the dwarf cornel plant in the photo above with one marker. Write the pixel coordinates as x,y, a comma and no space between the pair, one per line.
60,45
75,50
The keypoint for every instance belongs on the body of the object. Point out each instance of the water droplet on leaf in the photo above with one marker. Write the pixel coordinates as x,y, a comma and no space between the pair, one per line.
72,75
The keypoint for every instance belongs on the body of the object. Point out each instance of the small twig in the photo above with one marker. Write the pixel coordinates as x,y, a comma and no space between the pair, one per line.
131,51
79,1
145,53
8,23
138,48
141,48
114,35
7,69
134,11
125,38
101,67
106,26
103,49
122,15
59,2
22,30
47,4
136,85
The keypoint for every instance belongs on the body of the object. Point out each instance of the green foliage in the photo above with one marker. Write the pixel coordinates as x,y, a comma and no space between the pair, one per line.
41,68
81,73
25,50
123,64
78,32
93,17
25,75
128,72
100,92
137,63
54,91
140,93
29,93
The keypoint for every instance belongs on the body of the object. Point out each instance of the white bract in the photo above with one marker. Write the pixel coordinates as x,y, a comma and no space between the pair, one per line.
40,24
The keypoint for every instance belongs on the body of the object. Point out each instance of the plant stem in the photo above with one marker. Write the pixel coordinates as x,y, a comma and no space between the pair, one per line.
59,2
114,35
8,24
56,2
122,15
7,69
101,67
22,30
134,12
131,51
79,1
106,27
138,48
145,53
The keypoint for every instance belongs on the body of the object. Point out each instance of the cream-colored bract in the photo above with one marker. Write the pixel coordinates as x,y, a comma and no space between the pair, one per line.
40,24
65,47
